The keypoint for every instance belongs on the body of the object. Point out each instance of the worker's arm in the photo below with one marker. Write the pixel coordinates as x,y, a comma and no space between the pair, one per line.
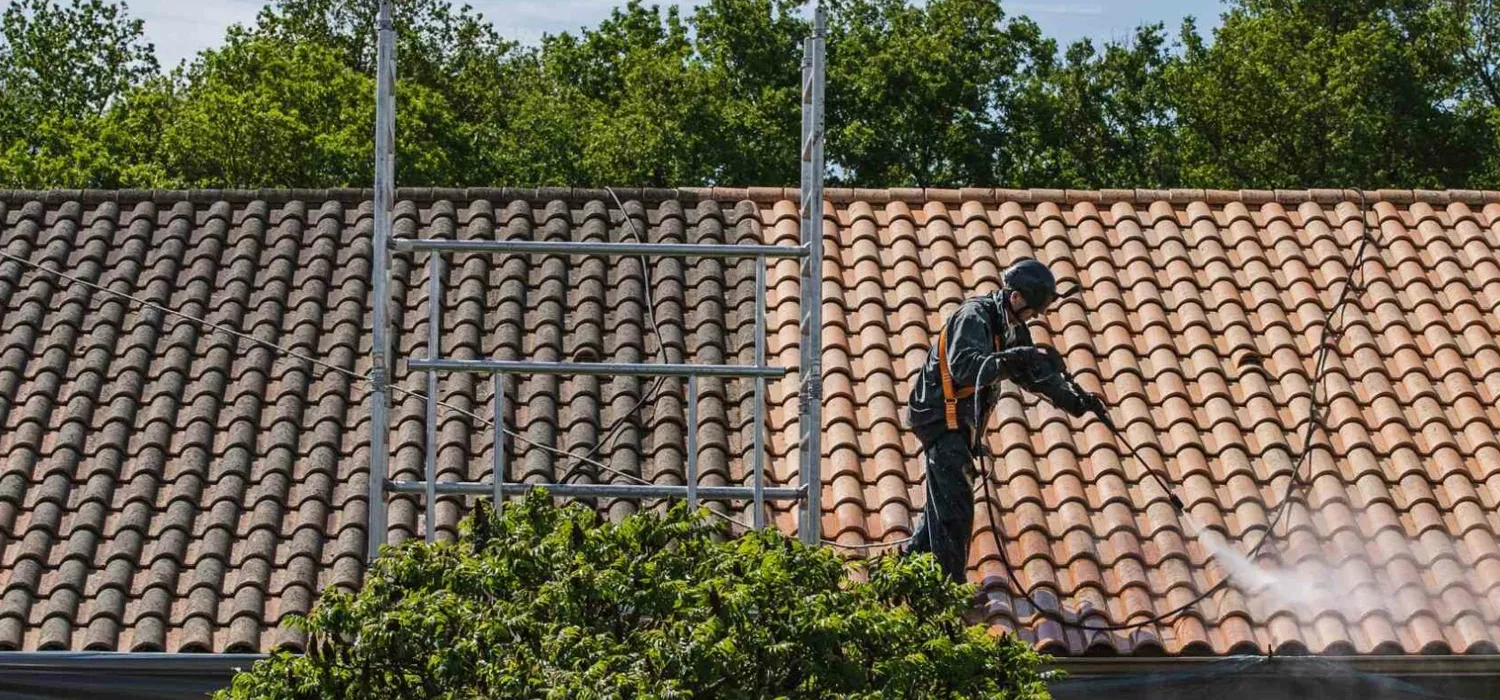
972,359
1064,393
1061,393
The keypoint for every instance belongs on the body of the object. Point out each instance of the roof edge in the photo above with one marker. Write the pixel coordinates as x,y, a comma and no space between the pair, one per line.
834,195
1403,665
123,660
1445,665
1399,665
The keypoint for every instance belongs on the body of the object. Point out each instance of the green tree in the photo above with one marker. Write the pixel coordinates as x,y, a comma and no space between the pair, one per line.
72,60
1287,93
262,113
450,60
651,98
917,95
1476,26
539,138
1094,119
642,96
1303,93
1475,42
132,136
61,69
753,53
550,602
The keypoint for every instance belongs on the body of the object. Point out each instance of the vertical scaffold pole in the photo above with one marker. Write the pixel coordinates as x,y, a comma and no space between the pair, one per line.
385,193
434,351
759,441
811,192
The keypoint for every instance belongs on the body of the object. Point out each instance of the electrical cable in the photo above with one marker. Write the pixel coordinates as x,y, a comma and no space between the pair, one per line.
1315,420
612,431
872,545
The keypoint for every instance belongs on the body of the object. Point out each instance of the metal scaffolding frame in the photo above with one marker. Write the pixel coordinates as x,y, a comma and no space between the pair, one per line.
809,252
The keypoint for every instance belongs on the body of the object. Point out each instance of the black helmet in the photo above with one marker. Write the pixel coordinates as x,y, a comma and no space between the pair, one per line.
1033,280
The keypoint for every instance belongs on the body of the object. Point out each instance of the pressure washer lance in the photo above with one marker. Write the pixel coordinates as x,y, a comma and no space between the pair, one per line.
1103,414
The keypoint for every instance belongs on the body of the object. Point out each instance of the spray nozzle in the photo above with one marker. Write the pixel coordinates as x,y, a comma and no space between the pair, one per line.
1177,502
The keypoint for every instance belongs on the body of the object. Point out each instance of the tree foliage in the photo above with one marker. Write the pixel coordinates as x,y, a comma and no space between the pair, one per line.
61,68
639,97
1096,117
548,601
1296,93
916,94
1280,93
71,61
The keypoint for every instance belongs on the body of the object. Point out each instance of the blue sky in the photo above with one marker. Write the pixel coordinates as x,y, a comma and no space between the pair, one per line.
181,28
1070,20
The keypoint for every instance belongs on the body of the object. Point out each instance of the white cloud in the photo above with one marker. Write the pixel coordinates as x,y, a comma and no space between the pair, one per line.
180,29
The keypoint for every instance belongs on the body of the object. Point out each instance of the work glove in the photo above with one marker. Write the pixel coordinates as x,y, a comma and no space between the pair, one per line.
1052,360
1094,403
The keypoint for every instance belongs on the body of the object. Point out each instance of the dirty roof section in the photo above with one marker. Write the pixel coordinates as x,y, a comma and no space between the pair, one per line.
167,485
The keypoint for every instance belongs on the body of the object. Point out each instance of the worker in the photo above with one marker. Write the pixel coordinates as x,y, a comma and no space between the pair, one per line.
984,341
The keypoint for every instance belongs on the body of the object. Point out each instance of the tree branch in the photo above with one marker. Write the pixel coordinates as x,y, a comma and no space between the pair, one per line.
1486,78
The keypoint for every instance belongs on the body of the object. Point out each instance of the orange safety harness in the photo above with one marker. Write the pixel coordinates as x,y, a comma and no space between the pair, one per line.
950,395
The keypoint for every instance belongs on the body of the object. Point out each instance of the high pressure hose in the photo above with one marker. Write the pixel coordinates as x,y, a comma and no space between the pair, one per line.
987,475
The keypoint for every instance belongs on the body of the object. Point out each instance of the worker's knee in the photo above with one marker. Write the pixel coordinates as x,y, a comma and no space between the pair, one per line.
951,446
948,471
954,508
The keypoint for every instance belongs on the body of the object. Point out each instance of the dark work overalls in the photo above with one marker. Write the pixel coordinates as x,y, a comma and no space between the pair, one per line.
951,428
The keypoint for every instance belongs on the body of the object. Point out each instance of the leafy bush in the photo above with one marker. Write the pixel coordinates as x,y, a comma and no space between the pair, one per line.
550,602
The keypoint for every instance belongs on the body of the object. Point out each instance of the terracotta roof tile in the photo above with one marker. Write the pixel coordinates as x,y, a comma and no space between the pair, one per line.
167,487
